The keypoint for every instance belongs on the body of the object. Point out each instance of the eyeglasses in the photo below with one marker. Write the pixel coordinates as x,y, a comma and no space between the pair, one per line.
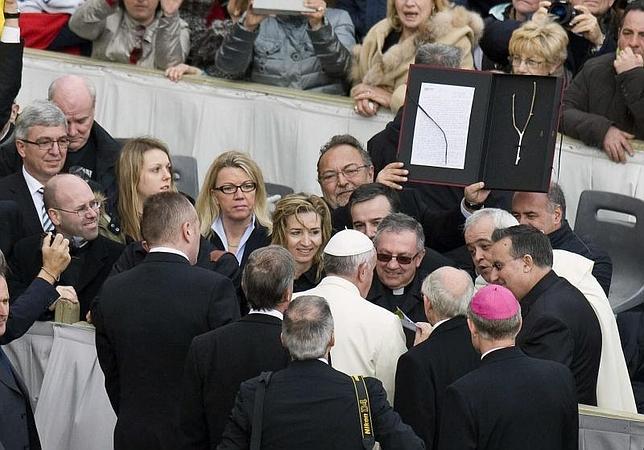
530,63
350,172
402,260
94,205
47,144
232,188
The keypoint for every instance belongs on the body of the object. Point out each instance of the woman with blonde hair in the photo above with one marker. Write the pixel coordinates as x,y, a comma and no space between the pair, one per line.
144,168
302,225
381,63
232,206
539,47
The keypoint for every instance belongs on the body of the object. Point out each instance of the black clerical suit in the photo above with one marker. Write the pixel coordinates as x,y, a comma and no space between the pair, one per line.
10,226
17,425
145,321
425,371
566,239
312,406
217,363
560,325
14,187
410,301
86,272
512,402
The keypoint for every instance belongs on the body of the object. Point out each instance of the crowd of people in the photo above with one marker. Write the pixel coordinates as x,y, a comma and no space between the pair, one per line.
416,316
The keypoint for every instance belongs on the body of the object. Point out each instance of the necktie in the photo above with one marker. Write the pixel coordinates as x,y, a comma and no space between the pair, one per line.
137,50
44,217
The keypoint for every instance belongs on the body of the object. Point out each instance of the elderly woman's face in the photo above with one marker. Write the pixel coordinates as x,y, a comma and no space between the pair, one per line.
413,13
530,65
239,205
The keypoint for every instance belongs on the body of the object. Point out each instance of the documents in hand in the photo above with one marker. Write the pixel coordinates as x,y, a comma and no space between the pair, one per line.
405,321
285,7
464,126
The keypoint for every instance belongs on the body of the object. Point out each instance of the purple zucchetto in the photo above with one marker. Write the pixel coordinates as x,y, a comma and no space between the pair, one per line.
494,302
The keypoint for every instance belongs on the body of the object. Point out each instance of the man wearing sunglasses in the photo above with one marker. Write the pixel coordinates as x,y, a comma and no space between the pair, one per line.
41,139
74,212
402,262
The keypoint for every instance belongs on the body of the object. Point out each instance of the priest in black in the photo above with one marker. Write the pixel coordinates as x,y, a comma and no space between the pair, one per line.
309,405
558,322
74,211
218,361
512,401
425,371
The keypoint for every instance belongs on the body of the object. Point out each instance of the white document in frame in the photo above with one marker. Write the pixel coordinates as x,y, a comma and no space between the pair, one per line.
450,108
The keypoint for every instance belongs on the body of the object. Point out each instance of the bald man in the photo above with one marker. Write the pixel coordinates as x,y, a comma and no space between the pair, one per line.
74,211
425,371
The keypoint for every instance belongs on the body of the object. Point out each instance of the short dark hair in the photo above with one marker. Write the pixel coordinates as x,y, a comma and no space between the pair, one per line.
345,139
632,6
163,214
556,198
527,240
369,191
267,275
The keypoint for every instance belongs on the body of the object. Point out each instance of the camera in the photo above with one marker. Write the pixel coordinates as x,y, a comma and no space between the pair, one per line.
562,12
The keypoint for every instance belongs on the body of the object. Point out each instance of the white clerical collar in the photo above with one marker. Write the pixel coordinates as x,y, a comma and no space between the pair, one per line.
324,360
492,350
438,323
399,291
268,312
168,250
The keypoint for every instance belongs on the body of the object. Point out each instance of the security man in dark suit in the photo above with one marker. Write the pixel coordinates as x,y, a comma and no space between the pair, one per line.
220,360
425,371
309,405
11,68
74,211
146,319
512,401
558,322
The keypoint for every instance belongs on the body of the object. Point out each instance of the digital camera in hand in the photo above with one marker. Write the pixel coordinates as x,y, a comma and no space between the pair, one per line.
562,12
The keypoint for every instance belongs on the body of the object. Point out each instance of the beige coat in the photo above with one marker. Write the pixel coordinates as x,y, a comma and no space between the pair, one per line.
455,26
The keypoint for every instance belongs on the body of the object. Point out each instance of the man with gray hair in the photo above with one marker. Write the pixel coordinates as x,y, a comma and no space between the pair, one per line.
402,264
310,405
369,339
512,400
42,142
220,360
425,371
146,319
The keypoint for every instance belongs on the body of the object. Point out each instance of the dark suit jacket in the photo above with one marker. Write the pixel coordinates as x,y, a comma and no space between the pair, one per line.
425,371
27,308
17,425
10,78
217,363
566,239
10,226
95,264
512,402
14,187
312,406
145,321
560,325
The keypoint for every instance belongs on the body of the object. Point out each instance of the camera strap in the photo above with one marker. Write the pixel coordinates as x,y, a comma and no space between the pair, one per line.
258,411
364,412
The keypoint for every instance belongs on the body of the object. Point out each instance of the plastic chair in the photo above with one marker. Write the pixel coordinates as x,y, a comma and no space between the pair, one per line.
624,242
184,171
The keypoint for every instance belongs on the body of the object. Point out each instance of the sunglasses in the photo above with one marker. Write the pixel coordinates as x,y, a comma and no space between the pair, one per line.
402,260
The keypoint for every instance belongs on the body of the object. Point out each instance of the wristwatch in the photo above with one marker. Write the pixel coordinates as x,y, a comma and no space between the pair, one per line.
472,206
12,15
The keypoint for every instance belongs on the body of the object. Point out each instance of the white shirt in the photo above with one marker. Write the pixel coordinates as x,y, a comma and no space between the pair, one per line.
168,250
268,312
218,228
34,185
